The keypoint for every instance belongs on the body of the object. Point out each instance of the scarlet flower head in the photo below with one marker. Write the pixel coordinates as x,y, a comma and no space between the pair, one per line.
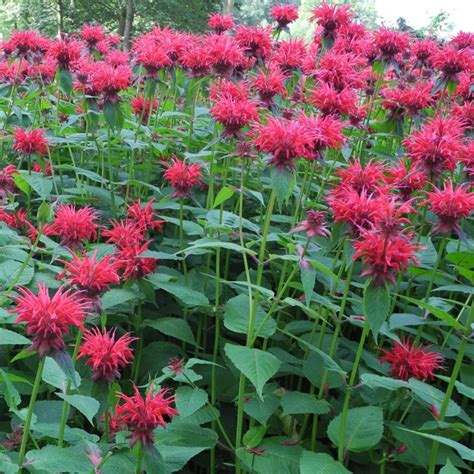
313,225
331,17
284,14
463,40
109,80
92,34
405,180
270,83
91,275
424,50
176,365
65,52
144,216
451,61
384,256
23,42
132,264
151,55
124,233
254,40
48,319
73,225
106,354
330,101
409,360
220,23
29,142
450,205
368,178
224,54
182,176
143,415
390,43
7,184
289,55
142,107
408,101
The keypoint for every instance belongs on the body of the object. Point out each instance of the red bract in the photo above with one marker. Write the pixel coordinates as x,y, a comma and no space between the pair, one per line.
410,360
284,139
284,14
143,415
313,225
330,101
407,101
132,264
269,83
424,50
124,233
65,53
92,34
385,256
436,146
366,178
106,354
341,70
73,225
390,43
109,80
143,107
48,319
182,176
220,23
450,205
224,54
197,59
91,275
29,142
7,185
23,42
405,180
463,40
144,216
151,56
331,17
289,55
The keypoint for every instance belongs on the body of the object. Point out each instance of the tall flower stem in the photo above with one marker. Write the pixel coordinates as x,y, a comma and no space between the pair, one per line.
29,416
347,398
451,383
65,411
252,321
139,331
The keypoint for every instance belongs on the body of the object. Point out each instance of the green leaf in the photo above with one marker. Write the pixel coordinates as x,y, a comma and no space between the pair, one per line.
283,183
182,293
41,185
377,381
236,317
439,313
254,436
11,337
54,375
376,306
7,465
213,244
433,396
173,327
113,114
449,468
54,459
189,400
64,361
308,279
65,81
262,409
12,397
463,451
88,406
321,463
117,296
223,195
364,428
258,366
153,460
297,403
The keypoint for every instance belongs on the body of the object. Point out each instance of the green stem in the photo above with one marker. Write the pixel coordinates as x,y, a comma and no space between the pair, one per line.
29,416
139,331
139,459
452,381
347,398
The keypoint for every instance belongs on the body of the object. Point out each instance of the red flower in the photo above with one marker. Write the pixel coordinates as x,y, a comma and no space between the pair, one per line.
224,54
106,354
284,139
270,83
48,319
143,415
450,205
313,225
341,70
73,225
176,365
384,256
91,275
408,100
390,42
92,34
436,146
234,114
65,53
117,58
124,233
151,55
367,178
424,50
197,59
284,14
132,264
109,80
451,61
144,216
331,17
333,102
182,176
408,360
405,180
289,55
254,40
143,107
42,168
220,23
7,185
463,40
29,142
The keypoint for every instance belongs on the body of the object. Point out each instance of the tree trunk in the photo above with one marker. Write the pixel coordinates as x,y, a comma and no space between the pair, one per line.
129,14
121,19
228,7
59,17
